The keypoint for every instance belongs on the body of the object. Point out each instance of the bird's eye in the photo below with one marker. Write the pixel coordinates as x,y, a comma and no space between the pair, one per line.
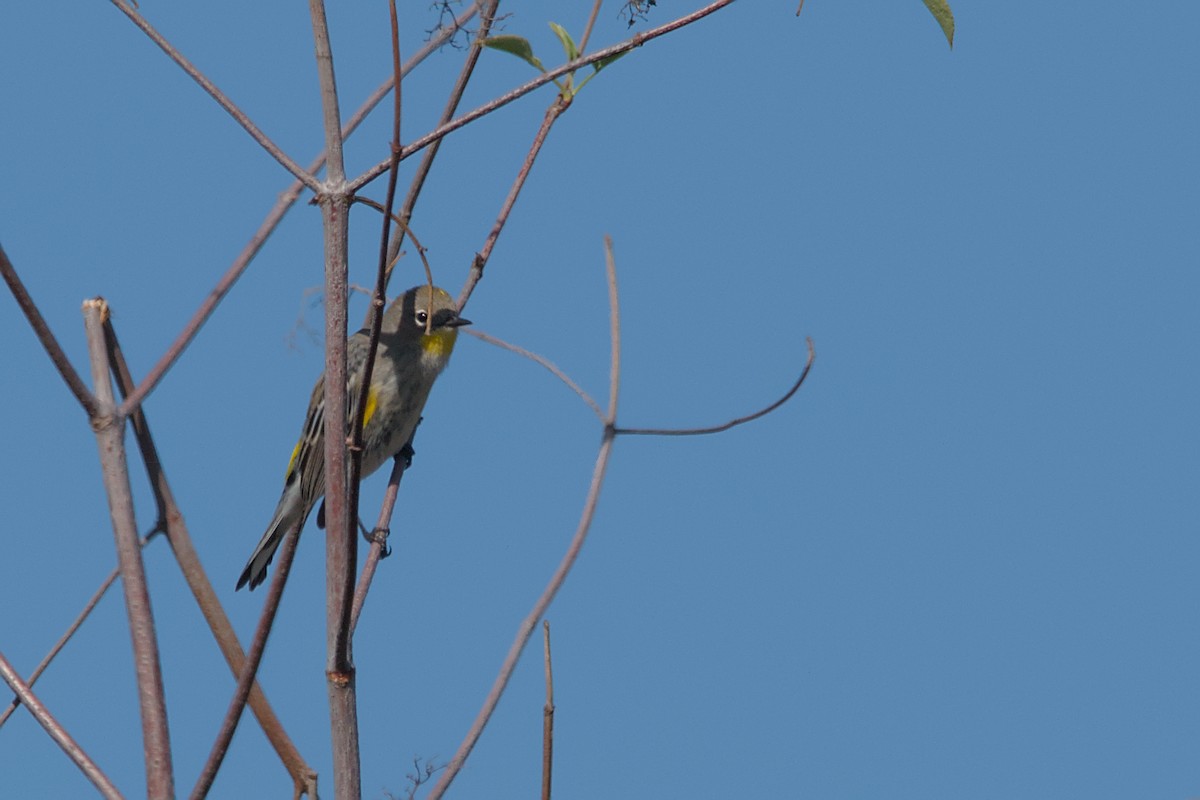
422,317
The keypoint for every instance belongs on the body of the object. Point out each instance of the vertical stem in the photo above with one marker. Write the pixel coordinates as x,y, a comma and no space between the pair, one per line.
548,714
340,544
110,439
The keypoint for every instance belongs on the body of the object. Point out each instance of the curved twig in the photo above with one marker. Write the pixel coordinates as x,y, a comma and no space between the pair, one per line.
733,423
525,631
544,362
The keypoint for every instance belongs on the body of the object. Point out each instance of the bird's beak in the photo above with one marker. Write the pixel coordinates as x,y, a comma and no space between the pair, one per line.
449,318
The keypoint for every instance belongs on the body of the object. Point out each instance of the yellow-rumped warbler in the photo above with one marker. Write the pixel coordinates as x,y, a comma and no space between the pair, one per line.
406,364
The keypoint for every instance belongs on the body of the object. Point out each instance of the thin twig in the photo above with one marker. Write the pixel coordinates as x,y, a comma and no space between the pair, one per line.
548,715
379,536
171,520
564,568
560,104
591,23
530,622
258,644
110,440
376,323
72,628
546,77
42,331
57,732
286,200
487,16
544,362
393,254
812,354
216,94
614,329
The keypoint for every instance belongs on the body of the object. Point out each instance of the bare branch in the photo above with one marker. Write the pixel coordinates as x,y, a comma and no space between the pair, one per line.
548,711
591,23
487,16
547,77
171,520
216,94
57,732
530,622
560,104
42,331
733,422
286,200
379,535
341,545
110,440
72,628
544,362
258,644
564,568
375,323
614,328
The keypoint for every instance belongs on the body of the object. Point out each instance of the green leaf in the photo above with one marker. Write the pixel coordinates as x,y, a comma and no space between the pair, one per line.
604,62
514,45
597,66
941,12
567,42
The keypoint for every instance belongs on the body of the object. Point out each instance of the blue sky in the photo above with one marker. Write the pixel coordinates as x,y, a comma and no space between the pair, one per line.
960,563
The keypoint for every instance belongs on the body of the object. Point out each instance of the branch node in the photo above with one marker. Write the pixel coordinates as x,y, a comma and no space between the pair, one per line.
340,678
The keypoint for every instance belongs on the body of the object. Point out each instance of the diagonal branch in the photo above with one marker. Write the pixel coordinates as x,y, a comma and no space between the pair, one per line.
379,535
57,732
556,109
543,362
258,644
88,607
546,77
487,15
42,331
216,94
286,200
171,521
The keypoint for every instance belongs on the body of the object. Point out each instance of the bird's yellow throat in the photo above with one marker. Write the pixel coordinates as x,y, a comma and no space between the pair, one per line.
439,344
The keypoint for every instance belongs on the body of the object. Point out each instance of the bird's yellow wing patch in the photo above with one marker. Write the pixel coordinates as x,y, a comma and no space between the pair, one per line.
292,461
372,401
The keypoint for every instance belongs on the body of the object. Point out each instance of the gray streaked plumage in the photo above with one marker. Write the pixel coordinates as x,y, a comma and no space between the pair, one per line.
407,362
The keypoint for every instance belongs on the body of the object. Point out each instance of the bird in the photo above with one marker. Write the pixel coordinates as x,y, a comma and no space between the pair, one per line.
416,339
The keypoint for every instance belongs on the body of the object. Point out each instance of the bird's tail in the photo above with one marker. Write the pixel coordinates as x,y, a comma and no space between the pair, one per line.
290,513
